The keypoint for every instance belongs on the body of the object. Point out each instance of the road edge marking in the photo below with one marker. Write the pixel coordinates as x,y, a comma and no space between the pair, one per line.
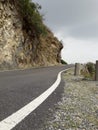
14,119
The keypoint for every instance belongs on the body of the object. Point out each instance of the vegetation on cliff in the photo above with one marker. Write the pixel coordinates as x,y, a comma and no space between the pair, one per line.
22,44
63,62
31,18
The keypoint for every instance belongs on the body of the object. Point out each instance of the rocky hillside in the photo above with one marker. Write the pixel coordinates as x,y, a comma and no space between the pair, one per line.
20,49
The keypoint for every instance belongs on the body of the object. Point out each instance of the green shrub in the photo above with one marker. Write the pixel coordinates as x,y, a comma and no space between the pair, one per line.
88,71
91,68
31,18
63,62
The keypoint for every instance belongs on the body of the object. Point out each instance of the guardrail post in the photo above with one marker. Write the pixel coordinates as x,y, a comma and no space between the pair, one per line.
96,71
77,69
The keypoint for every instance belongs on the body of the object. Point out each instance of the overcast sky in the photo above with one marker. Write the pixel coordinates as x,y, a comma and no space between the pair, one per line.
75,22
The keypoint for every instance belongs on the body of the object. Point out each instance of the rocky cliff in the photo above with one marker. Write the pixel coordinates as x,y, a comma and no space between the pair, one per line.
18,49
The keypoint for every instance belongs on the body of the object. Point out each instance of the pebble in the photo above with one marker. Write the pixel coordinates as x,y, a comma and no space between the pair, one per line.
78,109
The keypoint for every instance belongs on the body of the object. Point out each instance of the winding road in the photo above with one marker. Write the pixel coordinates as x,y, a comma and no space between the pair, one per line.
19,109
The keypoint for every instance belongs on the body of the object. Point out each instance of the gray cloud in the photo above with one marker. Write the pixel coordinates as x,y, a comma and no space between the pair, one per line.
76,18
86,31
76,23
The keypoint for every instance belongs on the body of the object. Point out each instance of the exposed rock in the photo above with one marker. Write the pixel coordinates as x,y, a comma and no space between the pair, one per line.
18,49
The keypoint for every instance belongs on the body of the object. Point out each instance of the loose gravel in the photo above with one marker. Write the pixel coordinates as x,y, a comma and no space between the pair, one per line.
78,108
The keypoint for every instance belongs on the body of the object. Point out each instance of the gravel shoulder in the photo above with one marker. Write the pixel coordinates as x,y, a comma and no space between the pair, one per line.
78,108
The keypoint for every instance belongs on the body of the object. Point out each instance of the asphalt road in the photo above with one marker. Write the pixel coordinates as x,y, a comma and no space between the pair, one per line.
18,88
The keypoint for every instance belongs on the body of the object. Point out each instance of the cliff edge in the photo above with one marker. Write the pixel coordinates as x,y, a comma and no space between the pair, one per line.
22,48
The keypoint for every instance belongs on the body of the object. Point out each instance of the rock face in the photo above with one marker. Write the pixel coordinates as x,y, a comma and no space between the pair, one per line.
18,49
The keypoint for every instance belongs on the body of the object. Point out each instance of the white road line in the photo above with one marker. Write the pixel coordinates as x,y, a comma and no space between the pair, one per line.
11,121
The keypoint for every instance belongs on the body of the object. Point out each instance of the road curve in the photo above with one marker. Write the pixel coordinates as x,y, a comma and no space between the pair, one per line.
18,88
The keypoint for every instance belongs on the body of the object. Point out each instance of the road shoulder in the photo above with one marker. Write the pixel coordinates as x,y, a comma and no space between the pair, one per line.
78,108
